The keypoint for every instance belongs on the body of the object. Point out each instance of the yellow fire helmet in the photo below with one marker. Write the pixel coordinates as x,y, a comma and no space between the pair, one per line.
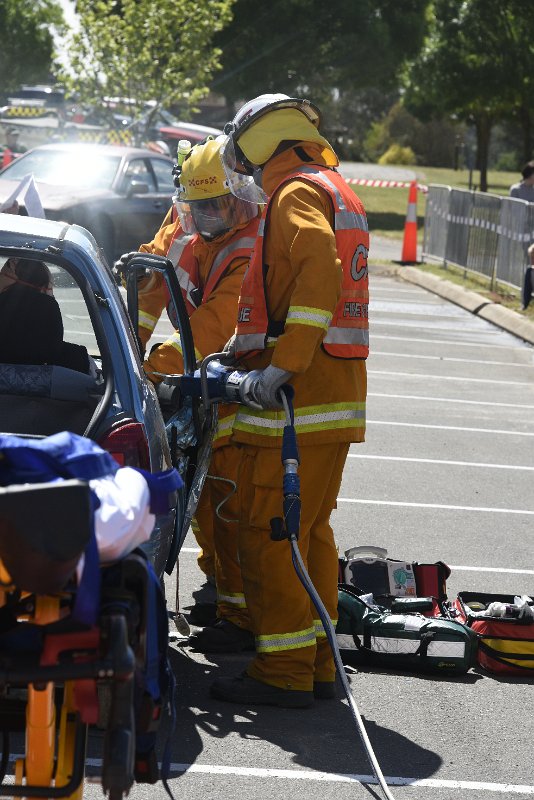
204,200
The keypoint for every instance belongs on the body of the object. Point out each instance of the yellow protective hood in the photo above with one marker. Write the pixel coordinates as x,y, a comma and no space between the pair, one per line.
261,139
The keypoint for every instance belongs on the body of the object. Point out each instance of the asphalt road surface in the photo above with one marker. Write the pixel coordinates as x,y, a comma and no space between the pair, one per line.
446,474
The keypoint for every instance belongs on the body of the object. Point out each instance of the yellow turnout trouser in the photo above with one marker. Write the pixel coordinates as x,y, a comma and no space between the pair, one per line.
291,646
202,527
221,484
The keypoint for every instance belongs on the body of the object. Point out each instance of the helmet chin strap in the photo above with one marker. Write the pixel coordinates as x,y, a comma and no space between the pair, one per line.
257,176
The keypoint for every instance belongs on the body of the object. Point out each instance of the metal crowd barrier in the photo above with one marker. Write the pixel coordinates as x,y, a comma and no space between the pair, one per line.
480,232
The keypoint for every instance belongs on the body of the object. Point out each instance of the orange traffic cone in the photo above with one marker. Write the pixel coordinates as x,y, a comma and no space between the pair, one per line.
7,157
409,244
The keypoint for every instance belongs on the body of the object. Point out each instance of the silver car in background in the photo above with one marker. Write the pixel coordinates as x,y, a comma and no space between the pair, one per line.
120,194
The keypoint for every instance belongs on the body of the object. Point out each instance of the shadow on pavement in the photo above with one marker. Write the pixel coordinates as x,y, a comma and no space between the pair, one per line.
323,738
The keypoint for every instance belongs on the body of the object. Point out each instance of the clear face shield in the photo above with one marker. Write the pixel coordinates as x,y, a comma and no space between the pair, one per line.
240,183
214,216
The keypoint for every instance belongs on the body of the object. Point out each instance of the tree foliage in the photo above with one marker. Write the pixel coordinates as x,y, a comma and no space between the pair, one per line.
434,143
477,64
146,50
26,55
311,46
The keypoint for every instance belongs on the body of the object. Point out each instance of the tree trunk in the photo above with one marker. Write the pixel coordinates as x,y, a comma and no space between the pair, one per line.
483,125
525,119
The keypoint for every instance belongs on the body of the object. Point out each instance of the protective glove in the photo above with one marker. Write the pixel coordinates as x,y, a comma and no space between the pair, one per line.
229,349
119,267
260,388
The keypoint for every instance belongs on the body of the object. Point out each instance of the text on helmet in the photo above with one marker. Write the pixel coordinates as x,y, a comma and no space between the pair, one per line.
202,181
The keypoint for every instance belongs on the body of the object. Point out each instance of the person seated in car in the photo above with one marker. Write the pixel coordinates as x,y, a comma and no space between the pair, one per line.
31,326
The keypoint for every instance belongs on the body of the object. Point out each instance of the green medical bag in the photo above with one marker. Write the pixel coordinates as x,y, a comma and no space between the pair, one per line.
370,635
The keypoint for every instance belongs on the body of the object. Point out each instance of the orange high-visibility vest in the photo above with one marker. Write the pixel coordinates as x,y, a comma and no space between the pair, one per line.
348,332
187,268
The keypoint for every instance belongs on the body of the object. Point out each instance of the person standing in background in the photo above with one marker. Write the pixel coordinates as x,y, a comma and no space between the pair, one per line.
524,190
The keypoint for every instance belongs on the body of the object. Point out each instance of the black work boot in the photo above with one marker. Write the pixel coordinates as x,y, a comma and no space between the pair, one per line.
250,692
222,637
324,690
202,614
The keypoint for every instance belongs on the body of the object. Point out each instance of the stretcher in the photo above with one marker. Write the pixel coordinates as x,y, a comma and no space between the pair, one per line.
63,670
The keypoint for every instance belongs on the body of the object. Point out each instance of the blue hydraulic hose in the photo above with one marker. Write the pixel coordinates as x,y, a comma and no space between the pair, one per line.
291,484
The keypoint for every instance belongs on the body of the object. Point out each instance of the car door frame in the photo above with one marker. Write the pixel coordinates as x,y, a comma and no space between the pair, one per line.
204,427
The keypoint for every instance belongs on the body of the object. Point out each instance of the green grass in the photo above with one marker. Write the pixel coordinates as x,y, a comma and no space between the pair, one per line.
386,208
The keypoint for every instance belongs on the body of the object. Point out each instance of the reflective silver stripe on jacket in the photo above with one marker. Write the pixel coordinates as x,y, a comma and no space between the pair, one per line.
232,599
249,341
177,248
319,627
246,242
249,418
350,221
316,317
358,336
344,220
186,284
324,179
147,321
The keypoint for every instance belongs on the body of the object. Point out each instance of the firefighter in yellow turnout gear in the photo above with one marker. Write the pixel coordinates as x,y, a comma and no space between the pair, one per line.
303,320
209,244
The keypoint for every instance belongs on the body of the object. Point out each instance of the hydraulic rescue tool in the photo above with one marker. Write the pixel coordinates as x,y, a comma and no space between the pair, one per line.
217,381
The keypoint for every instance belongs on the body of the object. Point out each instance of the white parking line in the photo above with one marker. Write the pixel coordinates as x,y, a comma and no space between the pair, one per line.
451,342
395,291
447,358
331,777
378,308
447,400
442,462
494,569
442,506
427,376
321,777
448,428
453,325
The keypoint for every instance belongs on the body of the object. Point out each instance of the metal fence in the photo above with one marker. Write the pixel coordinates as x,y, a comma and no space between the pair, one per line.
481,232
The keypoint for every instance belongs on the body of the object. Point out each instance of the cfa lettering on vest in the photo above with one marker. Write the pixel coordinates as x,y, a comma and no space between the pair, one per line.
356,310
244,314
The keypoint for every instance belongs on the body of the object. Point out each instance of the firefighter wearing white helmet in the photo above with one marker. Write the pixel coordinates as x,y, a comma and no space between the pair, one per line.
303,320
209,244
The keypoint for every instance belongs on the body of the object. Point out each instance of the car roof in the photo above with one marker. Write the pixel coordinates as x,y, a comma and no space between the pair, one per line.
46,235
105,149
196,127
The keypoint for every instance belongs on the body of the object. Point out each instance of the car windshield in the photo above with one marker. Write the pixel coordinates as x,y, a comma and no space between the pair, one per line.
167,118
59,168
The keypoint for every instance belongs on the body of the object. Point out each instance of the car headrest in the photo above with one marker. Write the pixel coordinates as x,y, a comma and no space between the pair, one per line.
47,380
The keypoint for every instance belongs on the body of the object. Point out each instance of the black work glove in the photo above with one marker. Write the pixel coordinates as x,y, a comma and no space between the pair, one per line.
119,267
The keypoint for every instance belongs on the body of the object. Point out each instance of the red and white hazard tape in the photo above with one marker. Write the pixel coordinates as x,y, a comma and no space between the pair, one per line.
385,184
